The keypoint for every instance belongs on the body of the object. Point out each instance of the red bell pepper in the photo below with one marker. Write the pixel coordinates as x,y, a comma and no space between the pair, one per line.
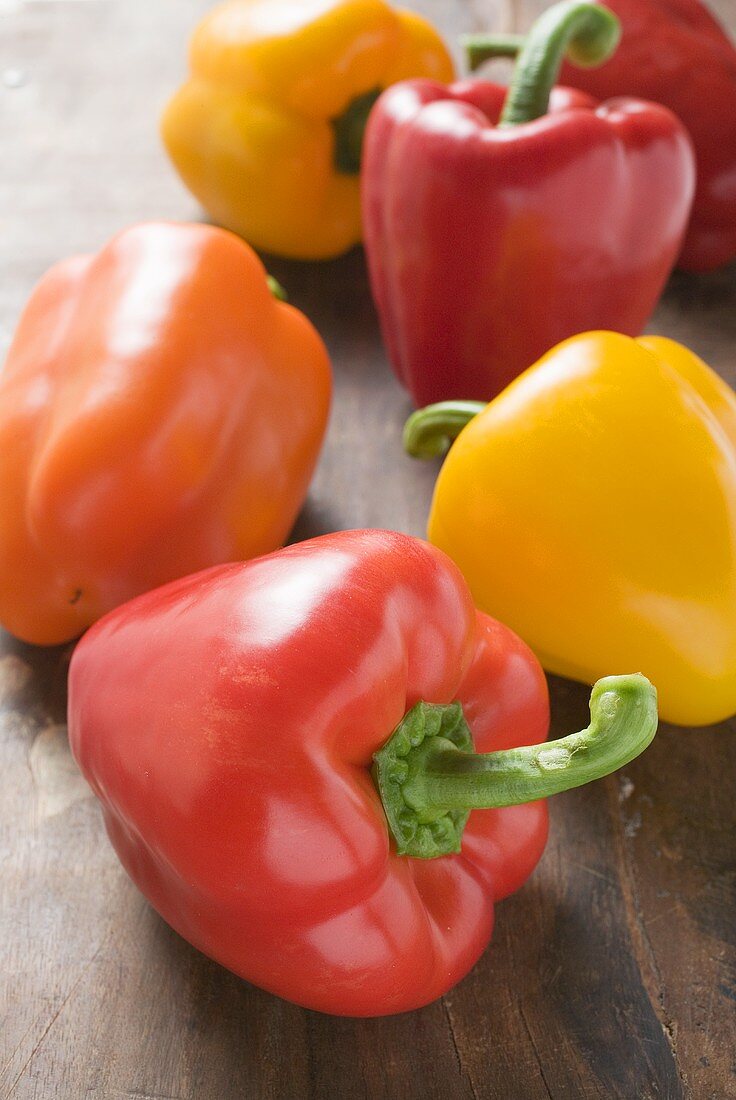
673,52
228,723
514,229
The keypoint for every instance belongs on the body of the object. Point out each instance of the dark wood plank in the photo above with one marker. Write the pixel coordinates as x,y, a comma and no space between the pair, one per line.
612,974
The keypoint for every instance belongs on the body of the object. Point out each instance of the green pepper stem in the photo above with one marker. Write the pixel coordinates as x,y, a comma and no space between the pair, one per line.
586,33
276,289
484,47
429,431
623,721
430,779
349,129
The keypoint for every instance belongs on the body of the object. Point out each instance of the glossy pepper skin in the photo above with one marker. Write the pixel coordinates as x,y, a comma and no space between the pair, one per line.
504,240
674,52
229,721
160,411
267,131
592,506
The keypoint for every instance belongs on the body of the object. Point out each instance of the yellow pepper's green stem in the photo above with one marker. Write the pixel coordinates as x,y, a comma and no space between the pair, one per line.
429,431
349,129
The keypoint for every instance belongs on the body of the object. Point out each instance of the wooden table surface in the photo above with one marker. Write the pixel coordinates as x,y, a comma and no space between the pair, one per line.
612,973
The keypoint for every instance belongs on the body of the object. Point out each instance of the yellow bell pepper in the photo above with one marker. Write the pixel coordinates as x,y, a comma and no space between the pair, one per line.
267,132
592,508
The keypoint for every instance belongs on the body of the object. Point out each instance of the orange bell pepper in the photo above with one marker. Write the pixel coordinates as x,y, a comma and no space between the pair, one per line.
160,411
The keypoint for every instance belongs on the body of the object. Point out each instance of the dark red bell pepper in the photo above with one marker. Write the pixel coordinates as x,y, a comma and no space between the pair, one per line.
495,230
228,723
673,52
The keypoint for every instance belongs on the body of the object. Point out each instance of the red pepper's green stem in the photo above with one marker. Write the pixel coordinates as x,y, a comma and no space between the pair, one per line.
586,33
429,431
276,289
484,47
429,778
349,129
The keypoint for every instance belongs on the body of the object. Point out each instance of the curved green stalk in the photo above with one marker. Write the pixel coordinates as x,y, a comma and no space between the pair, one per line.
429,777
429,431
484,47
586,33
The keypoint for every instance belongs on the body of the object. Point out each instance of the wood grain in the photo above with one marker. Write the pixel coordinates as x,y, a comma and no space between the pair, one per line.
612,973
